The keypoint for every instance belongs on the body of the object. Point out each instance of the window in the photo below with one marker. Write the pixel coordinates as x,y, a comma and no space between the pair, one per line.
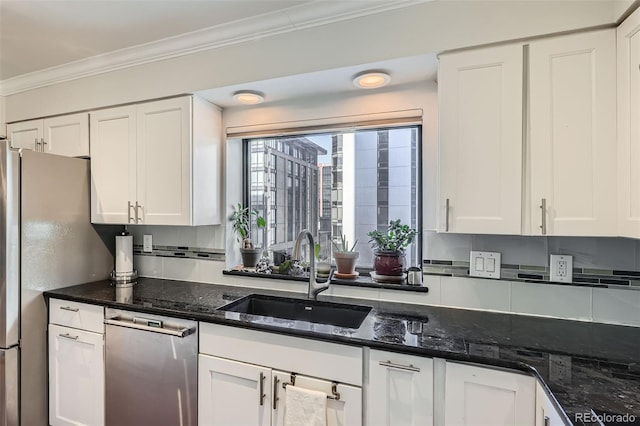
341,183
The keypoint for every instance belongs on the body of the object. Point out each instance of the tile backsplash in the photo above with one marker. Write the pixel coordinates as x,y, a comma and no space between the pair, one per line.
197,253
609,253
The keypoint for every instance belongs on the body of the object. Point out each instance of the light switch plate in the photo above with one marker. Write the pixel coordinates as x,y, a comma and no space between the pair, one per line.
147,243
561,267
485,264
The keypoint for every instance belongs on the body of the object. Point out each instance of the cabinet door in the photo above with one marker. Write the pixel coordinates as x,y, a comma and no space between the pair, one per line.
164,162
343,411
67,135
76,377
484,396
26,134
628,50
113,165
546,412
573,134
233,393
480,166
400,390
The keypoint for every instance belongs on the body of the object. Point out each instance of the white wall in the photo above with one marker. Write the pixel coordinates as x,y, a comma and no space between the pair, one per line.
424,28
3,127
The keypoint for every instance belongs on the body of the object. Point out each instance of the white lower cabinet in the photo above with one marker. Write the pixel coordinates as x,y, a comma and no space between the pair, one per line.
546,412
233,393
484,396
400,390
344,402
244,376
76,377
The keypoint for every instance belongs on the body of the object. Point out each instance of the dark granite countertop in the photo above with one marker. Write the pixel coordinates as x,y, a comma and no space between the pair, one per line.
584,365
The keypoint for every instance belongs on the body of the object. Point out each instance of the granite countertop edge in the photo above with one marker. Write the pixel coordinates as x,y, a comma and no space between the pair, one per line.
69,294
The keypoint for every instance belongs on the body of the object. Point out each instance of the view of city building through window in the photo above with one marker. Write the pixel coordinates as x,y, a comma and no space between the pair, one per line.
346,183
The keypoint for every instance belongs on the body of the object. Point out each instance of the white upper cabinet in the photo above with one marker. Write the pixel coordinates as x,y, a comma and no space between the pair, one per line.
628,49
113,165
25,134
66,135
535,155
156,163
480,107
572,113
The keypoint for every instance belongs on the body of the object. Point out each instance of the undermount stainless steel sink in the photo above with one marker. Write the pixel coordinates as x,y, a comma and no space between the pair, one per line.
337,314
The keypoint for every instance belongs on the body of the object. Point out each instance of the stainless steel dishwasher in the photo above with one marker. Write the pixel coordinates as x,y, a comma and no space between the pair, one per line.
151,370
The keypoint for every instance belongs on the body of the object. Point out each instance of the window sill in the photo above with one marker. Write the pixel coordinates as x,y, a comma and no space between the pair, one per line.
362,281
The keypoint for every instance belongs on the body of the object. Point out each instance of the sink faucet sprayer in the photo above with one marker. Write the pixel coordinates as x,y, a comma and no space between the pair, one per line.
314,286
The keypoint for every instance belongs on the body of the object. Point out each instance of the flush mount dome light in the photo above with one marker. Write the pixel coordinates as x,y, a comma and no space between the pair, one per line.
247,97
371,79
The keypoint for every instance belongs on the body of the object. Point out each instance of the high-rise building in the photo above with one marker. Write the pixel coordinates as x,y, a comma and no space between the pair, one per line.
284,188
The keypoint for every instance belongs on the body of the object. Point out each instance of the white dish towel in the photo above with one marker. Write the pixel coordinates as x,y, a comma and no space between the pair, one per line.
304,407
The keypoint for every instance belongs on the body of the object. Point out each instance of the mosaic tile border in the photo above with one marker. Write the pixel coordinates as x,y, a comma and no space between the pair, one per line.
590,277
181,251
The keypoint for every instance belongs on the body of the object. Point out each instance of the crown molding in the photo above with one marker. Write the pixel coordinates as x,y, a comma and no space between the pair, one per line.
295,18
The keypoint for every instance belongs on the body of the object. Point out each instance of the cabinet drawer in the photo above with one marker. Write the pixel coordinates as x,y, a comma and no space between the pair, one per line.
77,315
314,358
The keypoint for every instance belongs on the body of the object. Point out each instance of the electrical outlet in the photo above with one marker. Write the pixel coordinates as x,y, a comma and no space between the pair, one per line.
561,268
484,264
147,243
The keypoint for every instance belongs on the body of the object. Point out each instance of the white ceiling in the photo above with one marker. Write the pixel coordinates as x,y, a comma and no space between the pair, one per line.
36,34
38,37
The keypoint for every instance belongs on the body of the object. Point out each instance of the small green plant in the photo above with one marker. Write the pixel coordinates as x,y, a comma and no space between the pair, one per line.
316,251
397,238
241,222
343,246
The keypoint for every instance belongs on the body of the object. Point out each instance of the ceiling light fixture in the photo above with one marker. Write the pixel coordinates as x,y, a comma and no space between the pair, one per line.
371,79
247,97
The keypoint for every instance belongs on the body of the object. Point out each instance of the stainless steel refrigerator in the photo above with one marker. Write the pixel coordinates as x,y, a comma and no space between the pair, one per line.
46,242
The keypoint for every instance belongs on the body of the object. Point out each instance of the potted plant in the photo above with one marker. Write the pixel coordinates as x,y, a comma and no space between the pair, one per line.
241,220
345,256
389,247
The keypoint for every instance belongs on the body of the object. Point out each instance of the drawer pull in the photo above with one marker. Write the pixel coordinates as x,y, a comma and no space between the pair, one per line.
262,394
68,336
275,392
69,308
399,367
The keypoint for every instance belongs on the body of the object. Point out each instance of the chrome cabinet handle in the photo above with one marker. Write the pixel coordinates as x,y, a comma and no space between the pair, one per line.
37,144
547,421
129,217
262,394
68,336
543,208
409,367
275,392
139,219
446,215
43,143
69,308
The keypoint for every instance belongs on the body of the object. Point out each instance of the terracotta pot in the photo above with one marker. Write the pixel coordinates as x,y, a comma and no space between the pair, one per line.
390,263
346,261
250,257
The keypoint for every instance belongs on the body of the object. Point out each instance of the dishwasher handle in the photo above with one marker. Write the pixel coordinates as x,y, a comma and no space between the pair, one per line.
183,332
